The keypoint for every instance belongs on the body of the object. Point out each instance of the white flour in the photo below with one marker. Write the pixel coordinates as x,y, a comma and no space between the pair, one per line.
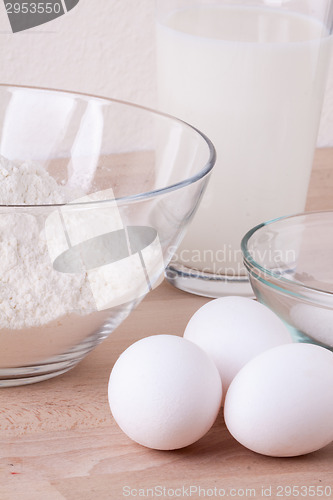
32,293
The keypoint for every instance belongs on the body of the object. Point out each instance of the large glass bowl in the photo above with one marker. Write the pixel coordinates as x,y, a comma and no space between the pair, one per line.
290,266
95,196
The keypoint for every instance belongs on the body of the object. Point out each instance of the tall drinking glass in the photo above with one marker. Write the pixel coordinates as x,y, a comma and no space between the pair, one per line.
251,75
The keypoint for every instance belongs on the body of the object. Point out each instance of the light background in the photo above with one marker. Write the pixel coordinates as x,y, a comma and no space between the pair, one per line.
104,47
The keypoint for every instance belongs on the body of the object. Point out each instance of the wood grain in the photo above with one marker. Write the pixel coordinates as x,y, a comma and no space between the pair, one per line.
58,439
320,196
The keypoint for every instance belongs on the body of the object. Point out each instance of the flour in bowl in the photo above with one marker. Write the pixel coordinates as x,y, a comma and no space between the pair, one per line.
28,184
32,293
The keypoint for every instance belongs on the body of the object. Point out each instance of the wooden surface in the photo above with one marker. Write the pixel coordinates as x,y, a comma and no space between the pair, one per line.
58,439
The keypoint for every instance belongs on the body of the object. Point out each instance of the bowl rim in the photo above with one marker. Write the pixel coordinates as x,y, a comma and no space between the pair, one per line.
277,280
203,172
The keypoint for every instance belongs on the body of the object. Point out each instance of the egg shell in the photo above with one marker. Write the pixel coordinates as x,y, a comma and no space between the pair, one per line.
164,392
232,330
281,403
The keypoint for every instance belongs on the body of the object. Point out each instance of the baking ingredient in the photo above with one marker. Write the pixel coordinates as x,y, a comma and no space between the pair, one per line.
281,403
32,293
253,80
28,184
232,330
47,309
164,392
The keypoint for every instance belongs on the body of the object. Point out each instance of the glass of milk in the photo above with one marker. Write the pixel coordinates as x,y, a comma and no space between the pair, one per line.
251,75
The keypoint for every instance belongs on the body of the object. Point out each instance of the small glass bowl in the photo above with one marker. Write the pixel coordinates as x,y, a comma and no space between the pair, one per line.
290,265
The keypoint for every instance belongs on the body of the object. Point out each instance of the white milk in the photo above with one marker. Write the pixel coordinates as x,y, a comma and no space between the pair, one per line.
253,80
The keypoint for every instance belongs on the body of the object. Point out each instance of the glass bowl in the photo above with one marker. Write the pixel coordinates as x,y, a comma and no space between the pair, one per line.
290,265
95,196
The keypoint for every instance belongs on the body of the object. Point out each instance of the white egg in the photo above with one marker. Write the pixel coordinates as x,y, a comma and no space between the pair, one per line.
281,403
164,392
232,330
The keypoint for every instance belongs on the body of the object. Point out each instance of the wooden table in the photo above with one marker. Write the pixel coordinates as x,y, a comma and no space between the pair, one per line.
58,439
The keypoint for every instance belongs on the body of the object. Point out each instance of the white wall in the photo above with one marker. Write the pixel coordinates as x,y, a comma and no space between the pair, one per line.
104,47
101,46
